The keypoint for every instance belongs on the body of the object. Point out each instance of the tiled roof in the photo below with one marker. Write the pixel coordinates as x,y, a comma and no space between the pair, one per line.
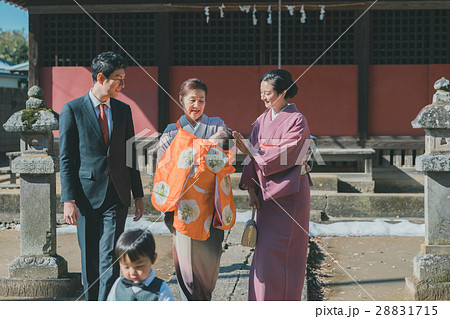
5,64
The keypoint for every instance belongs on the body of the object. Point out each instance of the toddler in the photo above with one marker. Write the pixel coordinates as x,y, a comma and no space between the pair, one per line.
135,250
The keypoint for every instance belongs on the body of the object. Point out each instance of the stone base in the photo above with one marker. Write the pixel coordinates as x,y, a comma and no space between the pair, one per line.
37,289
427,290
40,267
435,249
431,267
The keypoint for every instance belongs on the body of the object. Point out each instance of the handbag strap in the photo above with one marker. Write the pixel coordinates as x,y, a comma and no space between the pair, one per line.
253,215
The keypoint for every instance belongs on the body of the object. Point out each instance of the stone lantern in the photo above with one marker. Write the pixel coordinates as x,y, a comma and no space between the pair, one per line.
431,266
39,271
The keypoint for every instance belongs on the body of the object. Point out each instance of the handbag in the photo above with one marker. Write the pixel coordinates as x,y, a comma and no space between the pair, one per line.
250,234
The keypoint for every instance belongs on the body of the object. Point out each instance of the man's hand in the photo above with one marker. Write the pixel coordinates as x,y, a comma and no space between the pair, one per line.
71,213
139,204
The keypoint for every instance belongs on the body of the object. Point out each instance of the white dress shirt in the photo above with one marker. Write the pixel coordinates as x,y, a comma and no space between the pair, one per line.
96,104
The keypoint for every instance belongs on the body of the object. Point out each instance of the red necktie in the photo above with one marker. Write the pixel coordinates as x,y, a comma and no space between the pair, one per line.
103,121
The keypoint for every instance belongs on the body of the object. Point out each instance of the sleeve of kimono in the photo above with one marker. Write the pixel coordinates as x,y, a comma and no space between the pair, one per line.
221,123
165,140
289,152
249,176
217,123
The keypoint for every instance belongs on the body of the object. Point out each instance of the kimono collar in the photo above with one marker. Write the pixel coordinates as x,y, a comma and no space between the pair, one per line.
274,115
272,126
199,129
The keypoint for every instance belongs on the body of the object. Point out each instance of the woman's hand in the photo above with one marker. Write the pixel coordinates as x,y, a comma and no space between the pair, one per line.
242,144
253,202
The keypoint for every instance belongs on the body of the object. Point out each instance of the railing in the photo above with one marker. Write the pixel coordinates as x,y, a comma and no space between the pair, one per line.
402,158
398,151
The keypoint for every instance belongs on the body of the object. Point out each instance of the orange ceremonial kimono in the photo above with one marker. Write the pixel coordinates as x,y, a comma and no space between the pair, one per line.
192,179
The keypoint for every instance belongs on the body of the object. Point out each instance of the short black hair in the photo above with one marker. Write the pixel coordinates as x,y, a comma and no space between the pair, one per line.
106,63
136,243
281,81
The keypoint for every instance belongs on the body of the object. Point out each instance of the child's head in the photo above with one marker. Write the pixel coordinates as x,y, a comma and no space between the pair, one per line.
136,252
222,138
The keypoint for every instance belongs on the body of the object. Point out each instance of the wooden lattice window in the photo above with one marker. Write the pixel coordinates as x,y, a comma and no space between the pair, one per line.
303,43
74,39
68,40
397,37
410,37
232,40
441,37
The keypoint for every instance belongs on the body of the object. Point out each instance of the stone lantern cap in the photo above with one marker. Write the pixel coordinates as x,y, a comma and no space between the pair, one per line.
437,114
36,117
435,119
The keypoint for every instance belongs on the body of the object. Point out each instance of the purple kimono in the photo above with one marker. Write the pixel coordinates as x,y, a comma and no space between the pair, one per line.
279,261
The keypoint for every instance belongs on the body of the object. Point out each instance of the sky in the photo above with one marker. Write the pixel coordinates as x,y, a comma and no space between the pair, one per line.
12,18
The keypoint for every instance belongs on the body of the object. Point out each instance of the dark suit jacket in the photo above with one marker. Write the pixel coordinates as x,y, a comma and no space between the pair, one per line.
86,162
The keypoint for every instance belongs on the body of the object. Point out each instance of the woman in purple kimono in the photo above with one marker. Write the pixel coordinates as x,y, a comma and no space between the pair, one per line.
278,185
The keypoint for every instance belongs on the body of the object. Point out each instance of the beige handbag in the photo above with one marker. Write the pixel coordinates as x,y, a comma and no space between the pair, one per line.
250,233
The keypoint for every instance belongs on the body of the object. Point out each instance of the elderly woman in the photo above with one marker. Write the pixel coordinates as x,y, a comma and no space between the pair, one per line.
192,187
278,185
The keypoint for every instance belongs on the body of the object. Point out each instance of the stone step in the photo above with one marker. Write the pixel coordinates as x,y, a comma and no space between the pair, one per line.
342,182
318,216
331,203
357,204
6,186
326,182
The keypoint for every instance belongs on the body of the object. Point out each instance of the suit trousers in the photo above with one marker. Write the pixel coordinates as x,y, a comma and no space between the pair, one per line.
98,231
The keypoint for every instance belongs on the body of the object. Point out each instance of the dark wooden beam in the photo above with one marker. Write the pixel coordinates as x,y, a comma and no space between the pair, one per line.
34,41
163,53
363,62
68,6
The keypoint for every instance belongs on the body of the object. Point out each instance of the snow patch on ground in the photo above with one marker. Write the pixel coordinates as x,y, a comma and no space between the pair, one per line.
157,227
376,227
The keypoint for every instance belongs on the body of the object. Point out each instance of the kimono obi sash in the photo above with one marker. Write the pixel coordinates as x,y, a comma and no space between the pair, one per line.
305,169
192,178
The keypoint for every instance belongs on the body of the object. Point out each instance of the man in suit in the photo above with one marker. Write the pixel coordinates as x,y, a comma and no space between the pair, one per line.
95,181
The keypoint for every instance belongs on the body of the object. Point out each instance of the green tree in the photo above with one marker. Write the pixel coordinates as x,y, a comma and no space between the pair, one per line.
14,46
